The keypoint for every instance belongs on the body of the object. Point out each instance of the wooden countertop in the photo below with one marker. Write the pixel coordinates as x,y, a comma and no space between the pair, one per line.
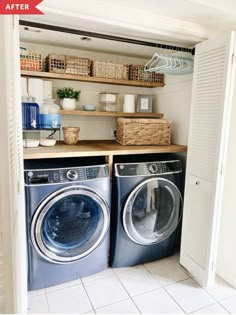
96,148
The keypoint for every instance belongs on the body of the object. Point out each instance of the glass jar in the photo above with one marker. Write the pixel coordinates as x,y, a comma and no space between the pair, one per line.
30,113
50,114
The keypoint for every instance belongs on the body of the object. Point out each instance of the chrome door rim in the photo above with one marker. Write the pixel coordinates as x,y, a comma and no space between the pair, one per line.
126,211
42,210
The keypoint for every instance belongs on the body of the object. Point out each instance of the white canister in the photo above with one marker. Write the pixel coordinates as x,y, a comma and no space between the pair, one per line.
129,103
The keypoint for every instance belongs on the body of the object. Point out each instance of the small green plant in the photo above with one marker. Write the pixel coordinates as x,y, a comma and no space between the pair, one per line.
68,92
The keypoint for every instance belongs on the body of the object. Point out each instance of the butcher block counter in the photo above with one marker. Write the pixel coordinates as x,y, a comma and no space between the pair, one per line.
96,148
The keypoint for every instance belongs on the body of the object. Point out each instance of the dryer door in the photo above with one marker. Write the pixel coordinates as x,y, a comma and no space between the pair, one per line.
152,211
69,224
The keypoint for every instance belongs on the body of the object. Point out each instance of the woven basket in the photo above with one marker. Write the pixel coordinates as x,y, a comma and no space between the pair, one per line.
137,73
56,63
102,69
143,131
30,60
78,66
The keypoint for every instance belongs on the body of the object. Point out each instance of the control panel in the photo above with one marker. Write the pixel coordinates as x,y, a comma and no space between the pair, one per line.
147,169
49,176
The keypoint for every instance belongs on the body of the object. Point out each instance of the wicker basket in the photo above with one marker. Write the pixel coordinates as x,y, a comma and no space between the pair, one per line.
137,73
102,69
56,63
30,60
78,66
143,131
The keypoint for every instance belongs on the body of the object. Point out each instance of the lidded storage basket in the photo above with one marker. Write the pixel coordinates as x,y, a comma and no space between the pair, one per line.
30,60
143,131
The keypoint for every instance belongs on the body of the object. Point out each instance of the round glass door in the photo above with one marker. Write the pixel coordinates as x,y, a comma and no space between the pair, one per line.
152,211
69,224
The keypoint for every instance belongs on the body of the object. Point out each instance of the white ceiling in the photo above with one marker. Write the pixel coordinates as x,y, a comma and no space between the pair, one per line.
181,22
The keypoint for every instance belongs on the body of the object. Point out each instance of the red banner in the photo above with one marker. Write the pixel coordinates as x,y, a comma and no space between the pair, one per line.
19,7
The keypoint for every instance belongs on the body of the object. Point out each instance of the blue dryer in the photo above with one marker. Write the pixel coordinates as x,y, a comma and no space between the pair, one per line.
68,219
146,211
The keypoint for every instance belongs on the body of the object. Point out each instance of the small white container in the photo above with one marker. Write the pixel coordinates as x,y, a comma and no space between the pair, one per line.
109,101
30,143
129,103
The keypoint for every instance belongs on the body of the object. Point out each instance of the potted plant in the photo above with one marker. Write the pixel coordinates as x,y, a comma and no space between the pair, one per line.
69,96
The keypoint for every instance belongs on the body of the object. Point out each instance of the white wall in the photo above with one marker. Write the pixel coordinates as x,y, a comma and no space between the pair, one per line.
173,100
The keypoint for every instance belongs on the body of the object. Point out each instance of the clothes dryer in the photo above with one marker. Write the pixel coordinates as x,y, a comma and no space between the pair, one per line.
68,219
147,211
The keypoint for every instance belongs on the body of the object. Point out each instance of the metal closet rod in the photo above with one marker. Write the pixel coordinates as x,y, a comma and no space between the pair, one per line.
105,36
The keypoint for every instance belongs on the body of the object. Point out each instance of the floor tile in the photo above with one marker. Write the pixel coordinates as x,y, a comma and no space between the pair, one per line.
63,285
118,271
105,291
221,290
212,309
106,273
189,295
72,300
36,292
157,302
230,304
38,304
167,271
138,280
123,307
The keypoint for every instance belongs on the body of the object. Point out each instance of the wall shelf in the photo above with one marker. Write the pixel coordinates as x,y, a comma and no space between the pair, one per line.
111,114
59,76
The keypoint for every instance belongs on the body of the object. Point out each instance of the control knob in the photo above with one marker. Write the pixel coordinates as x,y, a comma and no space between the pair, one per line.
72,174
152,168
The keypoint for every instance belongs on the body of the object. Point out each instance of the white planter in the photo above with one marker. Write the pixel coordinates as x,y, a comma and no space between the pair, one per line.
69,103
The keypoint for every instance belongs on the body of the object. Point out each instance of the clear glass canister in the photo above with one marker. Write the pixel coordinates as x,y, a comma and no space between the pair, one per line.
30,113
50,114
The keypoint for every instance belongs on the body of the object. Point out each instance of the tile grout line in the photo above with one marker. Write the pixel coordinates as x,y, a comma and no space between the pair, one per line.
47,301
174,299
88,296
128,293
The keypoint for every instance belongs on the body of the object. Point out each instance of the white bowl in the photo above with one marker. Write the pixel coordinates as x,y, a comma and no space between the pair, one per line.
89,107
30,143
47,142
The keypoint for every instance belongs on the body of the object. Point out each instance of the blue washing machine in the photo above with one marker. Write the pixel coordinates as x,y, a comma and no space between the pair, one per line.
68,219
146,211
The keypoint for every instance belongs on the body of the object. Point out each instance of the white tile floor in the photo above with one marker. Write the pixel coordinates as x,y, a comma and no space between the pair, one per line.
161,287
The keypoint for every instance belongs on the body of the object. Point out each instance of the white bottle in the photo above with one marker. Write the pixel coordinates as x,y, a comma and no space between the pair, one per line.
50,117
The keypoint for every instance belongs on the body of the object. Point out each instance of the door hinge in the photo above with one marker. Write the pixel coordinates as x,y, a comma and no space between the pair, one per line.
221,169
213,265
18,187
232,58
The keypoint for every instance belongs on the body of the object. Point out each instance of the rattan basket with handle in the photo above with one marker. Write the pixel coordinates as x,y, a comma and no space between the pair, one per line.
143,131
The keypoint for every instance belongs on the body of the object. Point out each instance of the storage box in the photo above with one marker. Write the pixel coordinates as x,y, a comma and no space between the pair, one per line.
137,73
56,63
143,131
102,69
78,66
30,60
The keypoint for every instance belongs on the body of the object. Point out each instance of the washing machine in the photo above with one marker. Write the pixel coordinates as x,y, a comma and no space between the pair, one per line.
68,219
147,211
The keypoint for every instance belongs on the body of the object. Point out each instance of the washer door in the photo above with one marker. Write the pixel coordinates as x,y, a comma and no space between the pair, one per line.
152,211
69,224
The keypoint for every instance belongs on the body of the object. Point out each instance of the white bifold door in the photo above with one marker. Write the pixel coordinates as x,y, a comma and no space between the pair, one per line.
212,120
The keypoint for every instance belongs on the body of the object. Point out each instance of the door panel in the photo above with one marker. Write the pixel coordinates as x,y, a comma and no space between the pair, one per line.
213,82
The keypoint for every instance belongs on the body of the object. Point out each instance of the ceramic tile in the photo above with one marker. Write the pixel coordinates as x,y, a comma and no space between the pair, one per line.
230,304
105,291
73,300
189,295
138,281
118,271
167,271
212,309
63,285
123,307
90,312
157,302
106,273
37,304
221,290
36,292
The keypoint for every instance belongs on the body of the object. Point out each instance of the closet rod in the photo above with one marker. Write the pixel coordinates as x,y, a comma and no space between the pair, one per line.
104,36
